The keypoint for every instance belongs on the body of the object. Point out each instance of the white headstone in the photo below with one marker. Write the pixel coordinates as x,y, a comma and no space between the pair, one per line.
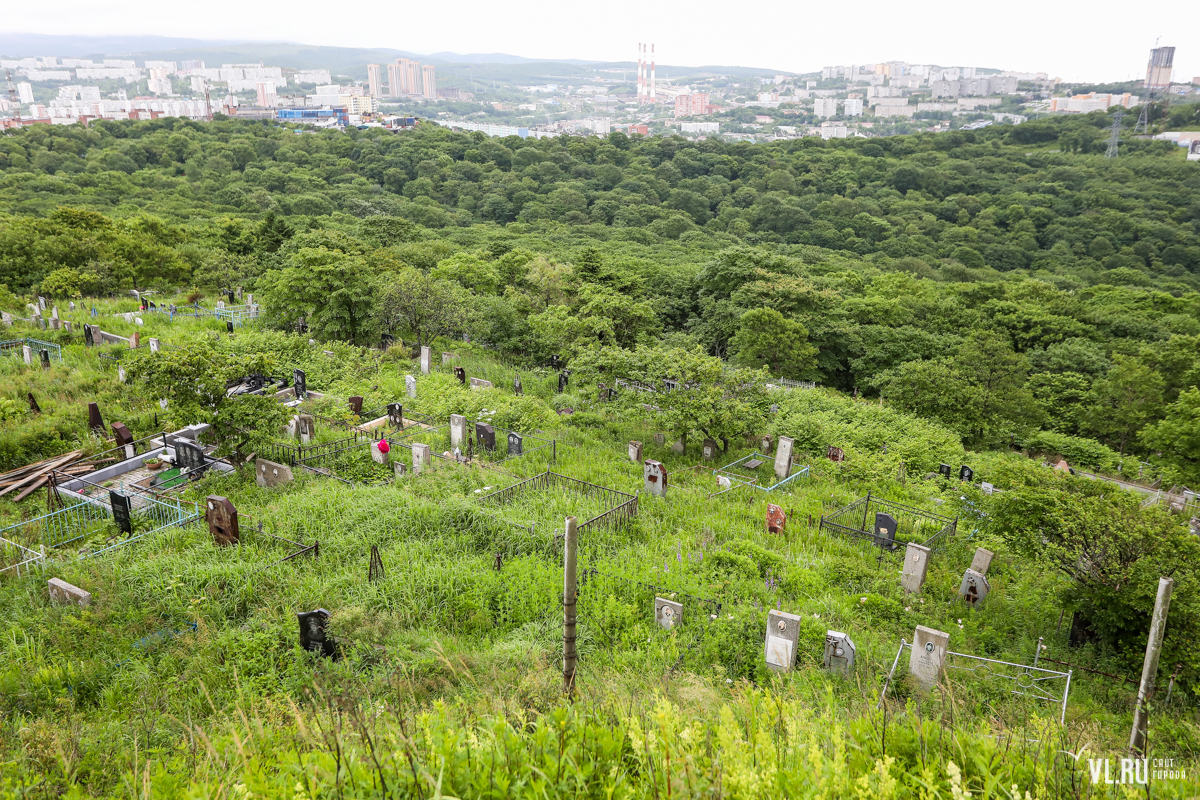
480,383
783,634
6,317
458,431
120,374
667,613
54,312
654,478
137,321
377,455
928,655
783,458
974,587
982,561
426,357
410,383
422,458
986,487
27,353
153,345
916,564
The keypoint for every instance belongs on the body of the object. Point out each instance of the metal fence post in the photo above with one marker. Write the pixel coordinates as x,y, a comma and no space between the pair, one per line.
570,597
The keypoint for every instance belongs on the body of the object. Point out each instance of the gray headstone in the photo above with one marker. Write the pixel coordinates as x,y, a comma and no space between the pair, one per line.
982,561
709,451
916,564
188,457
974,588
458,431
425,360
422,458
635,452
479,383
306,428
447,358
63,592
839,652
410,383
928,656
765,443
89,337
783,634
517,388
401,469
27,354
7,318
986,487
41,303
667,613
153,344
269,473
54,312
377,455
516,444
660,439
678,446
654,478
783,458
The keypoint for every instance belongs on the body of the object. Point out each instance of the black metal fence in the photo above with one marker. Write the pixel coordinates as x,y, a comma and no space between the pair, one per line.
913,525
620,506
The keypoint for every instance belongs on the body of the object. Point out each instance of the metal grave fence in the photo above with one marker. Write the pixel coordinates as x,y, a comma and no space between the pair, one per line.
913,524
12,347
1021,680
758,471
619,507
18,560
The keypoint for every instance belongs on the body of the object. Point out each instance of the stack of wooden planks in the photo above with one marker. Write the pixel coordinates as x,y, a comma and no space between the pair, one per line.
31,477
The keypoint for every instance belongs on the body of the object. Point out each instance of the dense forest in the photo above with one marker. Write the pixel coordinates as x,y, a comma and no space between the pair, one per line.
1008,283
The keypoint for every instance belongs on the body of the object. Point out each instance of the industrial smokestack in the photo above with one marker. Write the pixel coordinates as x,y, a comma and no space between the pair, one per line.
653,97
640,86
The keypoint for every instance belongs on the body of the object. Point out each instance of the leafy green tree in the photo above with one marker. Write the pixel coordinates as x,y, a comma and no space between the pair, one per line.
767,338
933,389
333,292
422,304
1004,409
1125,400
1177,437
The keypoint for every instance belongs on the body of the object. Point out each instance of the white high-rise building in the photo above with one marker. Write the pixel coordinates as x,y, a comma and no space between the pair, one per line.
825,107
853,107
25,93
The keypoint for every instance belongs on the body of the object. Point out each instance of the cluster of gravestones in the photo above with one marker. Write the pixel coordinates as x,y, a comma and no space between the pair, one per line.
654,474
974,586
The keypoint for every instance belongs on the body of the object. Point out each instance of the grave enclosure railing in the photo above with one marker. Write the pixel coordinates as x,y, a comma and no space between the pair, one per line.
438,437
912,524
323,459
12,347
621,506
1022,680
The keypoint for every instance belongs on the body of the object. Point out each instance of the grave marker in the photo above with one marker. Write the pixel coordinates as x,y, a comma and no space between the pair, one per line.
269,474
485,436
982,560
63,592
138,321
7,318
153,344
835,454
965,473
480,383
563,382
554,362
410,383
89,338
667,613
27,354
135,340
765,443
776,519
54,312
458,431
517,388
974,588
447,358
41,303
426,357
678,446
300,384
461,375
120,374
44,355
916,564
355,404
987,488
660,439
944,469
516,444
33,404
928,655
635,452
122,511
386,340
654,478
312,633
783,634
709,450
124,438
422,458
379,451
396,414
306,428
222,520
783,458
400,468
885,530
94,420
188,457
839,652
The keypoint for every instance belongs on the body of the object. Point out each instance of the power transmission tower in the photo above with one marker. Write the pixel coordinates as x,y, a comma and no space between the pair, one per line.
12,90
1114,135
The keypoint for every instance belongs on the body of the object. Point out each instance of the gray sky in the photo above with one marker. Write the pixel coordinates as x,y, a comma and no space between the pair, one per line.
1097,41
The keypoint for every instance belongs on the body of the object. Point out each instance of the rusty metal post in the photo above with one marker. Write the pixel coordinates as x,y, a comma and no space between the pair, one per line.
570,596
1158,625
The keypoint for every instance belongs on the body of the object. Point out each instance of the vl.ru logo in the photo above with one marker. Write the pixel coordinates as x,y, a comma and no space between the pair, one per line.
1134,770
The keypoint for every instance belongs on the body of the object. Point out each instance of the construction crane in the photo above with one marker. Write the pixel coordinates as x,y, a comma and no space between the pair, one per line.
12,89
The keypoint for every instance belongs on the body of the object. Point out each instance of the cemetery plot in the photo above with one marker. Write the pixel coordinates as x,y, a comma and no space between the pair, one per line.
357,459
15,348
475,441
890,525
978,677
17,559
546,499
143,467
325,439
758,471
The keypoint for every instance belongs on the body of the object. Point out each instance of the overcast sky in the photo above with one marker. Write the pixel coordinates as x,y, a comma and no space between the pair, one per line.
1096,41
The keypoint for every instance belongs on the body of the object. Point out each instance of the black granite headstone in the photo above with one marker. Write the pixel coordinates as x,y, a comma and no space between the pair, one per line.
485,435
232,300
122,434
563,382
386,340
554,362
885,529
300,382
229,325
461,374
944,469
122,510
188,456
515,444
33,404
94,420
312,633
965,473
45,357
396,414
89,338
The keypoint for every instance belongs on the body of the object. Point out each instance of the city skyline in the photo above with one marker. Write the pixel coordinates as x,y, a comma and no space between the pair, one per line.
1026,37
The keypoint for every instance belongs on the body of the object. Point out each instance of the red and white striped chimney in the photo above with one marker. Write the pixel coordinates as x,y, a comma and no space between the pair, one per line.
653,97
